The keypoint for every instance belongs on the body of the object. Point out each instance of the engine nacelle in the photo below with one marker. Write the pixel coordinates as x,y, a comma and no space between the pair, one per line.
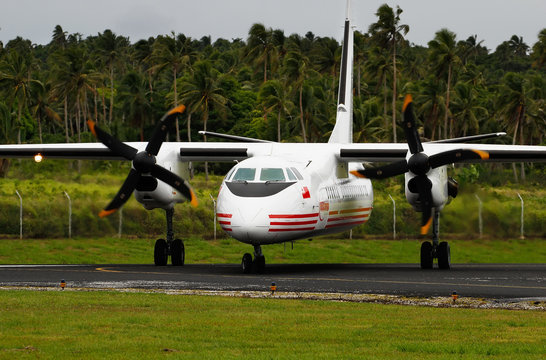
153,193
439,190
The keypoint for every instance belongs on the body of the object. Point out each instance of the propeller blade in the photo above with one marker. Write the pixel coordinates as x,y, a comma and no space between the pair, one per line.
457,155
161,129
424,186
410,129
383,172
111,142
123,194
175,181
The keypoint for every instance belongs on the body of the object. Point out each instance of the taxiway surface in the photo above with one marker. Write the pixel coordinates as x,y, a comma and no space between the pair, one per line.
492,281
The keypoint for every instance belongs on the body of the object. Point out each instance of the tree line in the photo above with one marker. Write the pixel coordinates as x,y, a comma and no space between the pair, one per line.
270,85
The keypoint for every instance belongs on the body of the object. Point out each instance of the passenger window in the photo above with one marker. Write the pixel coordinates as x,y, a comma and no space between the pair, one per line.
272,174
244,174
297,173
290,174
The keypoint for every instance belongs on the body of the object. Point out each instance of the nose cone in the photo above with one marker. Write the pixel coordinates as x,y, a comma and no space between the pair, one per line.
249,224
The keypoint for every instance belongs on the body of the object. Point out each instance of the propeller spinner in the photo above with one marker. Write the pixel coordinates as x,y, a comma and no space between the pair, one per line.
419,164
143,162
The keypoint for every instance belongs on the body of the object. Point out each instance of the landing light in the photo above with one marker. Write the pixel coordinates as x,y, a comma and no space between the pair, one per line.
38,157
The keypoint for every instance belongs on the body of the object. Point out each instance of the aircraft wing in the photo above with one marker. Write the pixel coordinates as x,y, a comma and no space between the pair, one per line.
384,152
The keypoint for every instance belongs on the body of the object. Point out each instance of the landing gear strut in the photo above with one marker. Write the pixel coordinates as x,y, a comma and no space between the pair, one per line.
173,247
258,265
436,249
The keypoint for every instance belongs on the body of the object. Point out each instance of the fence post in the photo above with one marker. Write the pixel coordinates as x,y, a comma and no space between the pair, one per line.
393,218
120,221
20,214
69,215
480,220
214,219
522,206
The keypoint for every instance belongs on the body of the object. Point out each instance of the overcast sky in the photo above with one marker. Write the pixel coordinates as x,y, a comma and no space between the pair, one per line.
493,21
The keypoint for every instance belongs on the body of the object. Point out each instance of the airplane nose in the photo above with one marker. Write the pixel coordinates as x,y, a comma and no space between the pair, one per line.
249,223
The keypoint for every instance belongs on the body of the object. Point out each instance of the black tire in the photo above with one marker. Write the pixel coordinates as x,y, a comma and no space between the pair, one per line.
246,263
259,264
426,255
177,253
444,256
160,253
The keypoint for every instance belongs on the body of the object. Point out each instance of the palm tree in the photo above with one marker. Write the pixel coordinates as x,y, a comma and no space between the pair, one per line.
135,101
111,49
378,66
15,76
443,53
431,103
274,96
539,50
40,106
388,32
261,47
297,68
467,109
175,52
203,92
327,56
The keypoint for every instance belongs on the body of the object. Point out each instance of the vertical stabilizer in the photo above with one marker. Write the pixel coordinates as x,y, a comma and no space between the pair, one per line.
343,130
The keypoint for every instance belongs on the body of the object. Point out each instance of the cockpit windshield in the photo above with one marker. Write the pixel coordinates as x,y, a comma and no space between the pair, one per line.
272,174
244,174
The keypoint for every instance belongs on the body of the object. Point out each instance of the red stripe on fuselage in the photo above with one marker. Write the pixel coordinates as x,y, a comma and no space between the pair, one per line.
293,216
224,215
290,229
291,223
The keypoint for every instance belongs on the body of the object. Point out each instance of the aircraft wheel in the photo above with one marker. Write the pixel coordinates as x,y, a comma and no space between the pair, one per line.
259,264
444,255
177,253
426,255
160,253
247,263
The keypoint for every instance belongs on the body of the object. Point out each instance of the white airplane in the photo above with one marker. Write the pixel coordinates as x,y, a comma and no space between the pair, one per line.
280,192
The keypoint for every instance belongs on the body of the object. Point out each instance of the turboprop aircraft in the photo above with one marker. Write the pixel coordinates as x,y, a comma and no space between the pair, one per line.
280,192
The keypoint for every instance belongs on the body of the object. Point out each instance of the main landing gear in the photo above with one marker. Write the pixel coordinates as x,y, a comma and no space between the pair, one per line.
435,250
173,247
258,265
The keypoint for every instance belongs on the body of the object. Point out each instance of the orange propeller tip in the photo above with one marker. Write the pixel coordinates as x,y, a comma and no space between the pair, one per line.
193,200
177,110
91,125
104,213
424,228
484,155
357,174
407,100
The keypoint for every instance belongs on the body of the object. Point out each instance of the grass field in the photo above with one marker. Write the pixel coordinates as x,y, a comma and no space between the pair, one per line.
321,250
99,325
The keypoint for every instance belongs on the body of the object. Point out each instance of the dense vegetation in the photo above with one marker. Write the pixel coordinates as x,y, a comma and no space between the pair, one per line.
271,85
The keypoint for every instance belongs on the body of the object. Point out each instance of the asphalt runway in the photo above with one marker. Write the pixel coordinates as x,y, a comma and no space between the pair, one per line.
490,281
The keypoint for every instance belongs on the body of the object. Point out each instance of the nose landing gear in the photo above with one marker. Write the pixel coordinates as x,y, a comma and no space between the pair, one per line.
258,265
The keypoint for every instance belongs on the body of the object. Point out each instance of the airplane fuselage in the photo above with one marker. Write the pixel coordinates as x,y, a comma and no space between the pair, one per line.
266,200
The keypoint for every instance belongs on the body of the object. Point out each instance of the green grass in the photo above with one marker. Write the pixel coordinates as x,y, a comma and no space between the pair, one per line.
321,250
98,325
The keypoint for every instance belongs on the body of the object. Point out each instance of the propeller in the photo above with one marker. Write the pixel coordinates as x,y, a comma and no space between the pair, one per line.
144,162
419,164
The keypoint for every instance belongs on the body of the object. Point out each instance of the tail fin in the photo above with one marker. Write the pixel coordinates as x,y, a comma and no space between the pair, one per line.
343,130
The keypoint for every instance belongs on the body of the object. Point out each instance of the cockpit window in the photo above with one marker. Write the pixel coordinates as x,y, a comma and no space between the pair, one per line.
297,173
272,174
290,174
244,174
